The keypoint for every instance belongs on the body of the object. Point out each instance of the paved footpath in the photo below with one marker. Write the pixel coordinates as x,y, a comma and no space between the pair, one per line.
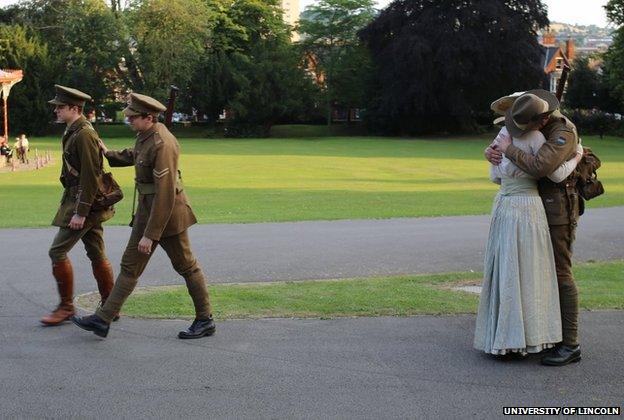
312,250
417,367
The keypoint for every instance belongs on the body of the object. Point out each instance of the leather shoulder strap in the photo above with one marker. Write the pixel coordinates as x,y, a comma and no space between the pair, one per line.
71,169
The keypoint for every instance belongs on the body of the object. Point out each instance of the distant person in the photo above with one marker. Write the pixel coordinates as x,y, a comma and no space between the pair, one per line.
24,142
81,172
22,148
5,150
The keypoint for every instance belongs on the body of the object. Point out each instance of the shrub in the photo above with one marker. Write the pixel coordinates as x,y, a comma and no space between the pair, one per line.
597,122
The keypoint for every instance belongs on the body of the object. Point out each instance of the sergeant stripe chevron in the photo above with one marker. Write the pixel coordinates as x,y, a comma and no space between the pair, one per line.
160,174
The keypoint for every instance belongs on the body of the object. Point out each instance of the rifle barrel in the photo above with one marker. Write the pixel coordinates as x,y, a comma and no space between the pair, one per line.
173,93
562,82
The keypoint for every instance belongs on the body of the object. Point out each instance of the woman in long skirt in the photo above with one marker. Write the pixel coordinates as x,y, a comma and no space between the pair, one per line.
519,303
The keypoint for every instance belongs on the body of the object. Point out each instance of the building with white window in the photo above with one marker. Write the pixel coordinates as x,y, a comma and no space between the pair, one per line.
555,57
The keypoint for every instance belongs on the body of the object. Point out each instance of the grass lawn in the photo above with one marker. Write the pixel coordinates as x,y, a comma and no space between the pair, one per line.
262,180
601,287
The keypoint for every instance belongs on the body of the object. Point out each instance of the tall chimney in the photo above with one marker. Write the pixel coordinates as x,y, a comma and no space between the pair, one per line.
570,50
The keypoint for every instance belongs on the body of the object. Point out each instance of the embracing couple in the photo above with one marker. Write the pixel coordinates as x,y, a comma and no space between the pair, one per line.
529,300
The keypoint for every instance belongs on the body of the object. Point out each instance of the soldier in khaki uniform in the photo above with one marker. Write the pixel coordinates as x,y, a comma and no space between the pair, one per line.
162,217
561,200
81,171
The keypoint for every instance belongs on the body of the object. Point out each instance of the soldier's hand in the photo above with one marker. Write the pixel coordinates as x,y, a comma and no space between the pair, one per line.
77,222
493,155
145,245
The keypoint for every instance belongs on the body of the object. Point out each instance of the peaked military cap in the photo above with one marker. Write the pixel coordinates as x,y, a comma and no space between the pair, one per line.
69,96
529,108
139,104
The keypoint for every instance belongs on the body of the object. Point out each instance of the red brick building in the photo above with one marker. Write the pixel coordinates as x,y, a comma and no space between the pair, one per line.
554,57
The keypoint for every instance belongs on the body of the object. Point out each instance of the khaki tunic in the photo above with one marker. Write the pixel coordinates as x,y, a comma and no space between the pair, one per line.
82,152
163,215
163,207
561,200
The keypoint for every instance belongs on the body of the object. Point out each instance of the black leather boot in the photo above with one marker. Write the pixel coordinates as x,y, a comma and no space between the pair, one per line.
92,323
562,355
199,328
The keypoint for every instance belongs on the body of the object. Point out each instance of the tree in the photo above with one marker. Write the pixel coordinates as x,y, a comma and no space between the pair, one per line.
588,88
166,41
329,33
250,68
220,72
441,62
615,11
273,88
83,39
353,78
614,57
91,49
29,111
222,54
11,14
583,86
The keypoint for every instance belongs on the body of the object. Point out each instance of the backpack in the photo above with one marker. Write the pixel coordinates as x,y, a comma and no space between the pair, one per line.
588,184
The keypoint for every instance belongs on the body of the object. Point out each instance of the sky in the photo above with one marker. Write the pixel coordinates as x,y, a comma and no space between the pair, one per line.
583,12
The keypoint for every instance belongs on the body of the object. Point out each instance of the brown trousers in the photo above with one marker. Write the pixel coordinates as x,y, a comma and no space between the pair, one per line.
92,235
562,237
133,262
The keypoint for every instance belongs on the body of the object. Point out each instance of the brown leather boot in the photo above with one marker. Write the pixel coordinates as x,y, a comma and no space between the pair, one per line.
64,276
103,273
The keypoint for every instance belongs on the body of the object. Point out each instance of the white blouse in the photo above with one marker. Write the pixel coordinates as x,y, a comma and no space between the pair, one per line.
530,142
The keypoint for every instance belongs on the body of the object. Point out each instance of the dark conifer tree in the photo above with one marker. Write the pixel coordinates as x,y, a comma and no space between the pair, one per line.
441,62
